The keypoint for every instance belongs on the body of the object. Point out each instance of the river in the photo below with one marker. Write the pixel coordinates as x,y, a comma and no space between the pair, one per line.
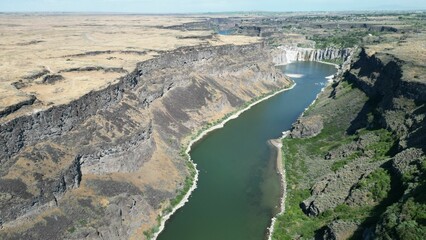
238,188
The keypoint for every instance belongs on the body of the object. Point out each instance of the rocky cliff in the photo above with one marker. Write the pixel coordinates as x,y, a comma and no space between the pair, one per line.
287,54
381,77
107,164
355,160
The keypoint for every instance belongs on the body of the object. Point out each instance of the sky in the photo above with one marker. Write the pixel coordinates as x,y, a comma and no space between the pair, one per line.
203,6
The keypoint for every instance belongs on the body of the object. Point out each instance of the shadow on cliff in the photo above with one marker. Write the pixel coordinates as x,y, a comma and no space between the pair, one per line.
418,137
362,119
381,80
366,228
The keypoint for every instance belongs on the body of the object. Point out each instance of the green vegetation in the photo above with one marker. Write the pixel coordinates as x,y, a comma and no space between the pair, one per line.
330,138
71,229
400,215
294,223
416,20
335,41
342,38
373,144
150,233
412,225
83,222
339,164
187,185
407,219
382,147
379,149
377,183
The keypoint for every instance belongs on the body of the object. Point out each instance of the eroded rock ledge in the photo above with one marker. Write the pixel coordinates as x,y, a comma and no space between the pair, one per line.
371,135
105,165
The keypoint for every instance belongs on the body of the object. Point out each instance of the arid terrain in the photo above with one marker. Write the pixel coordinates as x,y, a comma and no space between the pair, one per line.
96,111
54,59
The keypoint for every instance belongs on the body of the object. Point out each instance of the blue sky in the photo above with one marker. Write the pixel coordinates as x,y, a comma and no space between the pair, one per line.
188,6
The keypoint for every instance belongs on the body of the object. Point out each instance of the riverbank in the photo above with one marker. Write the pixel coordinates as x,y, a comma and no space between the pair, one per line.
199,137
277,143
330,63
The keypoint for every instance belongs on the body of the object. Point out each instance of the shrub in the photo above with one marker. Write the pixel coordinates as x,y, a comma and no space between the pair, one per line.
378,183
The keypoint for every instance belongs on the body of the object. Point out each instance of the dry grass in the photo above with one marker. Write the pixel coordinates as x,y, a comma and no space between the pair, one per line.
32,44
411,50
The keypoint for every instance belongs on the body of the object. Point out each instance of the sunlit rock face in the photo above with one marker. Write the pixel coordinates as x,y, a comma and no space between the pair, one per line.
288,54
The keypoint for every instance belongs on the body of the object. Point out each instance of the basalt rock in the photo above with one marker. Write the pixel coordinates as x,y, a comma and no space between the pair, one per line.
307,127
396,102
336,188
106,165
399,99
338,229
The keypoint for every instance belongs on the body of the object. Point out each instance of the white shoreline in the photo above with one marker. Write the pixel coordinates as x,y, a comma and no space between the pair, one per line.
221,125
282,171
188,149
329,63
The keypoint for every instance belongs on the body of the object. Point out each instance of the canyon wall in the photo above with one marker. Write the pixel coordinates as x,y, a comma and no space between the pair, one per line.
107,164
382,78
366,157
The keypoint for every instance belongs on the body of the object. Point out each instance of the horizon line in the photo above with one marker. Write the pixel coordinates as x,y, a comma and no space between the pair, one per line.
211,12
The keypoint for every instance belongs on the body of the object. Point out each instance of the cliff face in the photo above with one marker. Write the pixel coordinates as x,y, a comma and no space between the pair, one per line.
106,165
287,54
366,173
398,99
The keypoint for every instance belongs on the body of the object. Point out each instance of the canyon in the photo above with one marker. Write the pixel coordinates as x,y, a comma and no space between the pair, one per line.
96,113
112,157
364,142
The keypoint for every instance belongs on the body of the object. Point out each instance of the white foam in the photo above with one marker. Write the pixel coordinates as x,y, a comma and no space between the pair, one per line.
330,77
294,75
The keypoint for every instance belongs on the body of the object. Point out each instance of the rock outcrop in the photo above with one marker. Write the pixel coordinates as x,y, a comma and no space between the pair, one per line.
376,164
399,98
339,229
307,127
107,164
335,189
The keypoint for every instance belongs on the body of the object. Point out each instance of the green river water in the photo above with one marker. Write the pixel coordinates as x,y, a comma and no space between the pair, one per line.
239,188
